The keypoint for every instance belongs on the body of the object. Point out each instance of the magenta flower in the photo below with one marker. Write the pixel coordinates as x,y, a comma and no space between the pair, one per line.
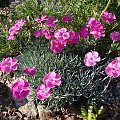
10,37
42,92
56,46
20,89
40,20
38,33
115,36
8,65
52,79
97,29
84,32
51,22
62,35
91,58
30,71
108,17
67,18
113,68
73,37
47,33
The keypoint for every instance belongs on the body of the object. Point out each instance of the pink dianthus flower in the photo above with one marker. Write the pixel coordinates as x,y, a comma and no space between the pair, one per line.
73,37
115,36
10,37
9,64
56,46
91,58
48,34
113,68
20,89
67,18
30,71
52,79
42,92
38,33
84,32
51,22
108,17
40,20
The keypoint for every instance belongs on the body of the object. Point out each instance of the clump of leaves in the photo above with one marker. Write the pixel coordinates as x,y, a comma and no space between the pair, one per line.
77,79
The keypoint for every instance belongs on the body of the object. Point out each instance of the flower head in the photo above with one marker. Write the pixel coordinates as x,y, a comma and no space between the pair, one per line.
84,32
38,33
62,35
97,29
42,92
10,37
91,58
40,20
47,33
30,71
73,37
108,17
67,18
51,22
113,68
20,89
9,64
52,79
56,46
115,36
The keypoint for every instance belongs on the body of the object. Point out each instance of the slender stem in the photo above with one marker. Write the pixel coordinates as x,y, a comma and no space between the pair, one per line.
105,8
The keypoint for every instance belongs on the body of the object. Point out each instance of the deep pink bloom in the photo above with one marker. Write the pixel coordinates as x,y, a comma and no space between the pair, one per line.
56,46
97,29
73,37
91,58
9,64
84,32
67,18
38,33
113,68
52,79
115,36
30,71
62,35
108,17
51,22
10,37
40,20
20,89
48,34
42,92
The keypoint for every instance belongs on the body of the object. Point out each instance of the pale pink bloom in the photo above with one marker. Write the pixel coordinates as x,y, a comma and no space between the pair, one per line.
10,37
51,22
73,37
42,92
52,79
84,32
67,18
38,33
56,46
113,68
91,58
30,71
48,34
40,20
20,89
62,35
108,17
115,36
20,22
9,64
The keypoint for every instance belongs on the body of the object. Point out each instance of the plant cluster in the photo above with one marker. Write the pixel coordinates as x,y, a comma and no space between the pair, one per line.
62,62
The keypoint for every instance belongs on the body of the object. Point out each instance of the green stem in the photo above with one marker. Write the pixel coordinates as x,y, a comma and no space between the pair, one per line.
105,9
